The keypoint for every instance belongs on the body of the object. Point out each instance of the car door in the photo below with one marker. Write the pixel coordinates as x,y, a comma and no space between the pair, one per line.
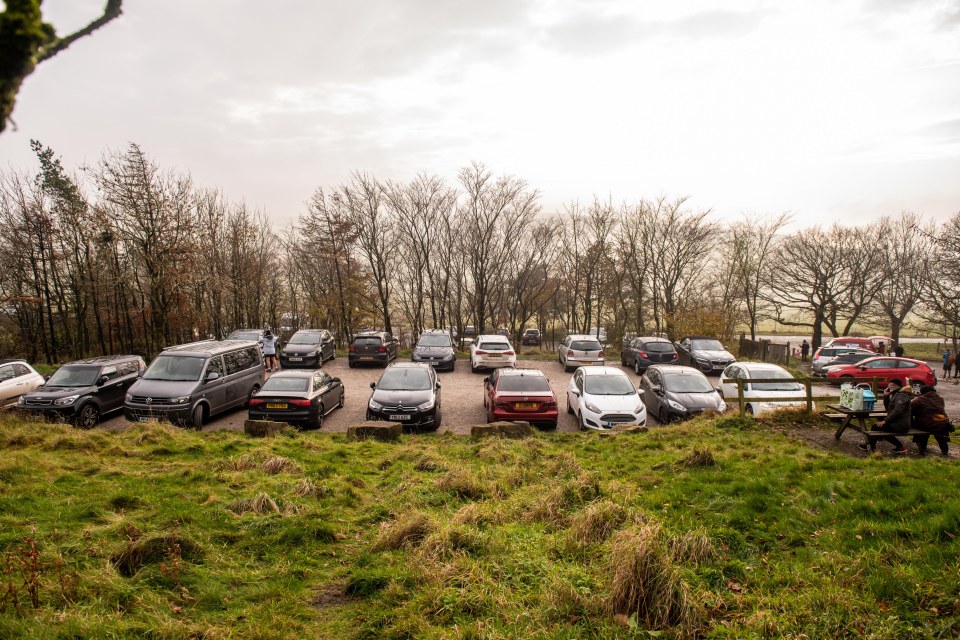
326,346
215,391
683,350
882,369
650,381
564,346
728,380
575,391
9,385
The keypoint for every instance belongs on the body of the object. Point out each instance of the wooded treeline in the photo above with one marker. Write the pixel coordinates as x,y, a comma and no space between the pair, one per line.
125,256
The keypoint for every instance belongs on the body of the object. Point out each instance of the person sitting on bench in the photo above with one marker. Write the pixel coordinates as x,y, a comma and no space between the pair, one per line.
896,399
929,415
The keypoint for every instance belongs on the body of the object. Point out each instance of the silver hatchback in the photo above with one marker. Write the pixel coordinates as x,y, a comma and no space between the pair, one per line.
580,350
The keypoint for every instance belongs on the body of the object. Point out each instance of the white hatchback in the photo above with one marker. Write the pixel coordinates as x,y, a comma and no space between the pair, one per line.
491,352
602,397
16,379
756,393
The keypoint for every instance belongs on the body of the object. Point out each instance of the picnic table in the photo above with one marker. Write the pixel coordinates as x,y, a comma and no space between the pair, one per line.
856,419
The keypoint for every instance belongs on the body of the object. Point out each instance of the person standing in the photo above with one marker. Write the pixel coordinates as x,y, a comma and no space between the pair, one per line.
804,350
898,350
270,350
929,414
956,363
947,363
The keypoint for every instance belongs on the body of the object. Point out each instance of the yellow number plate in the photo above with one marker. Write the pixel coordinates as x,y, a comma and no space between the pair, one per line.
525,405
277,405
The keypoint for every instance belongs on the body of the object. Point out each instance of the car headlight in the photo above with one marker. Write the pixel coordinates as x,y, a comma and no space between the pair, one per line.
129,397
639,408
376,406
180,400
702,361
721,406
591,407
448,356
67,400
676,405
425,405
22,400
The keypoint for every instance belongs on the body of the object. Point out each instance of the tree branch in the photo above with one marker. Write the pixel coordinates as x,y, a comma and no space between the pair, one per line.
111,11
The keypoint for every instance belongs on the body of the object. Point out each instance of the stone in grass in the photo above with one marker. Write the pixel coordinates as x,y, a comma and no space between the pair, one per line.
385,431
263,428
518,429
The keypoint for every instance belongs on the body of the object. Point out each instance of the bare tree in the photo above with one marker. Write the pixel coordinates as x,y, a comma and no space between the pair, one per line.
904,263
752,241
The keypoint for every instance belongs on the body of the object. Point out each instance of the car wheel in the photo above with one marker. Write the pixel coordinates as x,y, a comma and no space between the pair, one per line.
569,408
89,416
751,410
636,367
253,392
196,417
351,365
343,393
473,369
581,422
437,420
317,422
663,417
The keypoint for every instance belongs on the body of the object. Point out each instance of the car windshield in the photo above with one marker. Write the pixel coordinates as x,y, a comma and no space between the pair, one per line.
494,346
523,383
178,368
686,383
531,332
276,383
73,377
364,341
244,335
305,338
788,384
436,340
608,385
585,345
657,347
402,379
706,345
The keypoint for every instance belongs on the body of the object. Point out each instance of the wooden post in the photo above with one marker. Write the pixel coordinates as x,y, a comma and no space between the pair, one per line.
788,354
809,386
740,396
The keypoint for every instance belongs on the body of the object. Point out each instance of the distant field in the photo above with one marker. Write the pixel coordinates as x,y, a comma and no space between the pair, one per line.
717,528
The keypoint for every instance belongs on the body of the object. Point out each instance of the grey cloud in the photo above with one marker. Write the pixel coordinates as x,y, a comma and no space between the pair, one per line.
945,131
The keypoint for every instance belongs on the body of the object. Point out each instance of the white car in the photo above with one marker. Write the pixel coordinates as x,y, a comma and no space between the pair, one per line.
16,379
578,350
601,397
756,393
490,352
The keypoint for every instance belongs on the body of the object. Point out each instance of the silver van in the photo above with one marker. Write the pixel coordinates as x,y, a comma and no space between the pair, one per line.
190,383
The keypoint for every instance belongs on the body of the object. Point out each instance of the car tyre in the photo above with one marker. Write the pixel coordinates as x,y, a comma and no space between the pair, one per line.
317,422
569,408
636,367
89,416
581,422
751,410
196,417
343,393
473,368
437,420
663,417
253,392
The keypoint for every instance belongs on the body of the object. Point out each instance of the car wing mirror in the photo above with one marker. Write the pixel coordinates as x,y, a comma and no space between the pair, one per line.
102,380
576,392
719,389
373,385
336,380
438,385
487,379
213,375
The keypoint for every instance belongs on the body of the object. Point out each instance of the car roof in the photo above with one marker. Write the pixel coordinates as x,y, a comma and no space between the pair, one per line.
257,330
582,336
673,368
369,333
493,337
529,330
409,365
519,371
879,357
294,373
209,347
100,360
603,371
309,331
651,339
760,366
12,360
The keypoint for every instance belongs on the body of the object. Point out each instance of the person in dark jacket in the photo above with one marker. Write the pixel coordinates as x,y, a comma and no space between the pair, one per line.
928,413
896,400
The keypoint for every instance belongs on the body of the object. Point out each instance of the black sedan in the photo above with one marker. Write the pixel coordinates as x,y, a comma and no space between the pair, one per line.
308,348
672,392
408,393
298,397
639,353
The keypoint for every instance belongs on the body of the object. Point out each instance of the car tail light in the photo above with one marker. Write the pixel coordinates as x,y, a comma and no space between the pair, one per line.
256,401
383,348
642,354
504,405
601,354
353,349
480,352
509,353
674,357
569,352
549,404
298,402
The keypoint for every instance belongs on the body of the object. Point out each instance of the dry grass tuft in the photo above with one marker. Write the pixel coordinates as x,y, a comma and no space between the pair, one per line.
406,531
245,462
259,504
153,550
427,462
563,465
279,464
308,488
693,547
555,506
644,582
462,483
597,522
496,450
700,458
453,539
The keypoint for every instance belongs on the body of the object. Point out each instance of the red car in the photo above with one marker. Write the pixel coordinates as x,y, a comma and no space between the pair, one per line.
884,369
520,394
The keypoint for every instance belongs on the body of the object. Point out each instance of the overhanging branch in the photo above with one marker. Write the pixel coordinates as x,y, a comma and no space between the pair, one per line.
111,11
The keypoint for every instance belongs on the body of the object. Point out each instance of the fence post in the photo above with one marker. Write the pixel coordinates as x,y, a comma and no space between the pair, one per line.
788,355
809,385
740,396
873,386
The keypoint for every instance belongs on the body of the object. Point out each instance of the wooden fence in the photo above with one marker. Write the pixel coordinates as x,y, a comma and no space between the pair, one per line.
764,351
808,398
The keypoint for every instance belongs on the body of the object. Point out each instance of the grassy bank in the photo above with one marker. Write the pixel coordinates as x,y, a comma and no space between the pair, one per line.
716,528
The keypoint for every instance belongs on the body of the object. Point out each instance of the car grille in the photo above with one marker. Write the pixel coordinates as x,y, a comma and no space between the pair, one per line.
150,400
719,364
617,418
36,402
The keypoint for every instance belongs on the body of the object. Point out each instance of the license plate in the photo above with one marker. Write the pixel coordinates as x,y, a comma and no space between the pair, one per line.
295,359
493,355
611,425
525,405
397,417
143,419
278,405
366,357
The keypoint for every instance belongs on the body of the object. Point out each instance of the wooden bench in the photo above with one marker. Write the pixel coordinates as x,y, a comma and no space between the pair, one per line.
841,416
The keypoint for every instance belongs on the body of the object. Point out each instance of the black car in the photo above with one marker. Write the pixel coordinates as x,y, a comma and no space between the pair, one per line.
703,353
436,349
84,390
408,393
640,353
844,359
531,338
372,346
297,396
671,392
308,348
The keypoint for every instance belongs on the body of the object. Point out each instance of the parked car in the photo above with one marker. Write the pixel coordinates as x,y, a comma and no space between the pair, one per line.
755,393
17,378
601,397
531,338
435,348
308,348
372,346
84,390
578,350
845,359
190,383
851,342
703,353
491,352
255,335
823,355
408,393
640,353
673,392
469,331
598,333
502,331
884,368
520,394
297,396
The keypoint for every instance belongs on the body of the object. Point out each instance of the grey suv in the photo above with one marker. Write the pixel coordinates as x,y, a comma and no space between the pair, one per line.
372,346
189,383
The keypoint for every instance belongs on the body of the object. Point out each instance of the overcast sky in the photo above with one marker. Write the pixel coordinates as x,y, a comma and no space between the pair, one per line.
832,109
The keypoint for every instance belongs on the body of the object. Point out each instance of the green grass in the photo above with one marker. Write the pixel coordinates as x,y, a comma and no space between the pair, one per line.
716,528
